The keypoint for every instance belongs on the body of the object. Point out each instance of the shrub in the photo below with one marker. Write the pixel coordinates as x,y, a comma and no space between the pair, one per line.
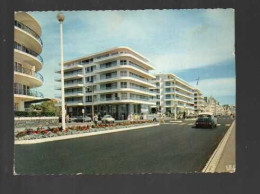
33,114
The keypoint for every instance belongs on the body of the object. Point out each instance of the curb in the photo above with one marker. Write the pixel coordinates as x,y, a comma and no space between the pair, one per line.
212,163
58,138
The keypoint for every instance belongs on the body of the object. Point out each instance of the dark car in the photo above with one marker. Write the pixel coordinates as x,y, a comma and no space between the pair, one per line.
206,122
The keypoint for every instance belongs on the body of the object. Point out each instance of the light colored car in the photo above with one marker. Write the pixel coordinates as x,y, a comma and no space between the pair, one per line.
108,119
206,119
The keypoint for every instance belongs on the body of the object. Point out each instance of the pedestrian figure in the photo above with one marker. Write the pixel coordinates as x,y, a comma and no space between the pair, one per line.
95,119
67,118
184,115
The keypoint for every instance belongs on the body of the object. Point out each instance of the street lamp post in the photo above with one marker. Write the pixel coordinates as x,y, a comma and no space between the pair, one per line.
175,111
60,18
92,92
83,111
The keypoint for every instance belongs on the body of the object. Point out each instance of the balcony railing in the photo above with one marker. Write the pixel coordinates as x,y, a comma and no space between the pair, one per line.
28,72
137,77
122,98
29,30
107,77
72,74
28,92
108,88
72,84
138,67
72,93
141,89
74,102
28,51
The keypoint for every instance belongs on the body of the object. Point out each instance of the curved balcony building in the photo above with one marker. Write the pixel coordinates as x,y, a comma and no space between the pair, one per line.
27,60
116,82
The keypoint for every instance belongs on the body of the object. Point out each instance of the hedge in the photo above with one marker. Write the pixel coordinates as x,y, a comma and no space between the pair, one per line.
33,114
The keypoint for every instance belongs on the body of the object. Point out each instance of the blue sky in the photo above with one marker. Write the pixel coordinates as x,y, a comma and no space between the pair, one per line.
189,43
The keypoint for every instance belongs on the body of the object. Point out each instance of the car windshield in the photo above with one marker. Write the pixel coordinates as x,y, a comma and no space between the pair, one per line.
203,119
107,116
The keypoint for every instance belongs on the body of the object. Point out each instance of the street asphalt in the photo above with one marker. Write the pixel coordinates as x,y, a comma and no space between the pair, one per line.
168,148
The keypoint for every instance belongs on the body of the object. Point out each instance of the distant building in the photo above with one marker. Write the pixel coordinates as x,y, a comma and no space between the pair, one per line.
211,104
27,60
172,93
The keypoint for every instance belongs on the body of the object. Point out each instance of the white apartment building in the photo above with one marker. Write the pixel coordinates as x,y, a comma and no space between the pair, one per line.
116,82
27,60
172,93
199,102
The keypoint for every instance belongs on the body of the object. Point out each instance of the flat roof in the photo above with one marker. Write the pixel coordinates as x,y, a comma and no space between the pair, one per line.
104,51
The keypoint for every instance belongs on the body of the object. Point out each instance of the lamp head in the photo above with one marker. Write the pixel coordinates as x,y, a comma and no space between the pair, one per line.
60,17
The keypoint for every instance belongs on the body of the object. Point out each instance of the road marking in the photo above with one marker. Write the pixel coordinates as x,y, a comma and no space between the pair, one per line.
182,124
218,124
227,125
190,124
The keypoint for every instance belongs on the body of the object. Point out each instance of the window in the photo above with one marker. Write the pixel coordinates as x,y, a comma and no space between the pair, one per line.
123,73
157,84
168,103
88,98
167,83
167,89
123,62
124,96
168,96
123,84
89,79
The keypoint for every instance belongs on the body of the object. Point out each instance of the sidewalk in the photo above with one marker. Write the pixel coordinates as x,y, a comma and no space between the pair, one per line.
223,159
227,162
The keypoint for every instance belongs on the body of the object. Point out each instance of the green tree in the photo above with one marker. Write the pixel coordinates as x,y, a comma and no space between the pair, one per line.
49,106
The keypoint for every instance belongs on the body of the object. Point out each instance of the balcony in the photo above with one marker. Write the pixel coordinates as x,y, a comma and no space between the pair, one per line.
71,94
28,30
73,85
74,103
29,72
27,51
70,67
73,75
31,93
110,56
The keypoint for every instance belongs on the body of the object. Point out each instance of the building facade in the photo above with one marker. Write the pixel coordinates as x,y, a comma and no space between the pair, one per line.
211,105
115,82
172,95
27,60
199,102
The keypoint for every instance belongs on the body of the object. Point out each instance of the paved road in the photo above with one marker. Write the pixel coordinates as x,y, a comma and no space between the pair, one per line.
170,147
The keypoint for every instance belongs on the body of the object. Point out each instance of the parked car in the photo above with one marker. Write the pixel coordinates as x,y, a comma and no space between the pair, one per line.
80,119
153,117
207,120
108,119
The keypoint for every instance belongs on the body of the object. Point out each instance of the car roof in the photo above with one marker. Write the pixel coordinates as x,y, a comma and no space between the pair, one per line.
206,113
